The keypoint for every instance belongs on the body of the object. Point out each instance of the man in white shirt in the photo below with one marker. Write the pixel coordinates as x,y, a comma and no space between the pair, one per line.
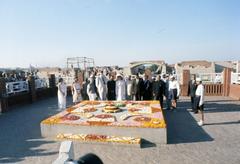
199,100
174,92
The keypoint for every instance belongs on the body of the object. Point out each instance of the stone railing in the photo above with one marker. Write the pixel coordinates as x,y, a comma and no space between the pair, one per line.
213,89
235,78
16,87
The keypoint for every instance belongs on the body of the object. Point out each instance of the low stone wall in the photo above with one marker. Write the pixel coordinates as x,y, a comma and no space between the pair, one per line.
235,91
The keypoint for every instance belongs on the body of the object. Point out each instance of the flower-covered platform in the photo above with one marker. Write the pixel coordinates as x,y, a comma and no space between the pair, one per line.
140,119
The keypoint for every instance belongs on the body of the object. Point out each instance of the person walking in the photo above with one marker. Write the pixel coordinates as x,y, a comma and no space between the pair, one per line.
62,94
76,91
192,86
199,101
111,86
174,92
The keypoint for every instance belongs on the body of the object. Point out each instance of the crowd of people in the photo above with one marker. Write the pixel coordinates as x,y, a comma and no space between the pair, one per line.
115,86
13,76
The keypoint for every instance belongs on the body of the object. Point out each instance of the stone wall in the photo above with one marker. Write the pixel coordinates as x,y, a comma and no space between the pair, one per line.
235,91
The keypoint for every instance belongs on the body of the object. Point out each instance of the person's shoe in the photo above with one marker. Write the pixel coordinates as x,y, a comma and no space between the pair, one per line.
200,123
195,112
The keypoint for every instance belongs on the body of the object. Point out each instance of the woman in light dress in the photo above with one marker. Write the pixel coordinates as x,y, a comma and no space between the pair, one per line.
62,93
76,91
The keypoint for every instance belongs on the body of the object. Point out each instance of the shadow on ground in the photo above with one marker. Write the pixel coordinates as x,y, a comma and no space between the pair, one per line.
20,131
182,127
212,107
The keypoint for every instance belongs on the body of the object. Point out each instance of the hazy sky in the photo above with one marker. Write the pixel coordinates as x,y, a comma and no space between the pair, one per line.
116,32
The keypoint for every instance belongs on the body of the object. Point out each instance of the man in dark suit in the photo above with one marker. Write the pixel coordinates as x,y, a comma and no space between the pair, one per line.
159,90
192,86
147,88
111,86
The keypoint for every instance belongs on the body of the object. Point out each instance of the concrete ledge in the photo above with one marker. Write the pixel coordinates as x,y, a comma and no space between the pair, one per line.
154,135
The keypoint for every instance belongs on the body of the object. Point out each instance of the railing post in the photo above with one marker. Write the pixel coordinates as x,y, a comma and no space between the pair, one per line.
3,96
32,89
226,81
185,80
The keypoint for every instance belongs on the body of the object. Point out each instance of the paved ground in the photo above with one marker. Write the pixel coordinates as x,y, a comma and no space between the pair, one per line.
216,142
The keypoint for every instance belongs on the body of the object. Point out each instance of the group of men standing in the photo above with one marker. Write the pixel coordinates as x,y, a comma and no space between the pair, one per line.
134,88
101,87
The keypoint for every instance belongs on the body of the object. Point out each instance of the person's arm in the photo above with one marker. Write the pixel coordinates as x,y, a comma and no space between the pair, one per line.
88,89
72,88
178,90
202,96
116,89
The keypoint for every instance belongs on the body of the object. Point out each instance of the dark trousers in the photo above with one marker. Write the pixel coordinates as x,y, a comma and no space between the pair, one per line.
192,102
196,104
161,101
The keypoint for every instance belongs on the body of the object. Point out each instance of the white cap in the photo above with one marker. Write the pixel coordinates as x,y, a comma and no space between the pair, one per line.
198,79
119,75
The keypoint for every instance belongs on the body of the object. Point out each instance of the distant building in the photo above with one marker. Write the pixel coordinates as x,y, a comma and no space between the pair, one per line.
195,67
155,66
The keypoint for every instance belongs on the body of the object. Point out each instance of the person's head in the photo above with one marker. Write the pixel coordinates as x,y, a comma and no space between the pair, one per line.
119,77
158,77
129,77
193,77
76,80
60,80
111,77
145,77
198,81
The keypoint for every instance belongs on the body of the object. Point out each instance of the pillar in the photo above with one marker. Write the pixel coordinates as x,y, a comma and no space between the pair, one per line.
226,81
3,96
185,80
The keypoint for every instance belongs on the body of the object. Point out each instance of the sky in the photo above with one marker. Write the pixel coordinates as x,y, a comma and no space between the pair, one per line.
115,32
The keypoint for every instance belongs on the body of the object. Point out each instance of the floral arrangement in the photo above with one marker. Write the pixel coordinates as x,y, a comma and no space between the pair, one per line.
99,138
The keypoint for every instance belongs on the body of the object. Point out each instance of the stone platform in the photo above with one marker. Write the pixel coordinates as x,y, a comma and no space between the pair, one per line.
143,119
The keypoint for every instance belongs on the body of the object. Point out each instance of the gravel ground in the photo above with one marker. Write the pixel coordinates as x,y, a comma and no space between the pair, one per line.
218,141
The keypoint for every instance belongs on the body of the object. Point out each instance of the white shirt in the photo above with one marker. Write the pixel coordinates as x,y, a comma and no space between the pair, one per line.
200,92
174,85
120,90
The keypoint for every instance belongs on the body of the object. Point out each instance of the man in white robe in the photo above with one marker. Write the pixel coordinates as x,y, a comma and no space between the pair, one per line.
62,93
101,84
120,88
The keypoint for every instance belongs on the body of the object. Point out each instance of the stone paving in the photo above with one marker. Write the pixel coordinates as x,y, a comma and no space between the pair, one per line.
216,142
